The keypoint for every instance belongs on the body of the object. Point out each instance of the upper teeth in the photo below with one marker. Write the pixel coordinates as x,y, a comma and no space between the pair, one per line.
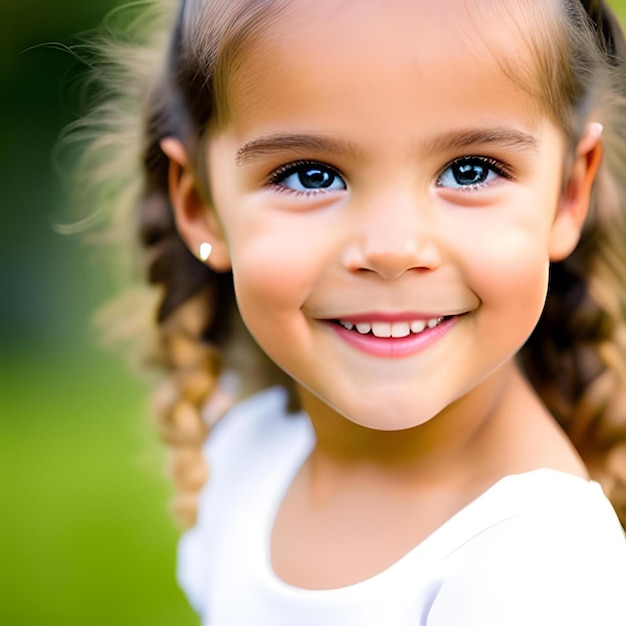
393,329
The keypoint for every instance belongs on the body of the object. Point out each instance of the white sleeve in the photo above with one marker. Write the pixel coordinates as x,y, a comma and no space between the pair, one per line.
191,568
195,548
568,577
228,450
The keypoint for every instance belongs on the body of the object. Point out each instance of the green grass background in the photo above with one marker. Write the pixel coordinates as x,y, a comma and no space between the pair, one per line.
85,535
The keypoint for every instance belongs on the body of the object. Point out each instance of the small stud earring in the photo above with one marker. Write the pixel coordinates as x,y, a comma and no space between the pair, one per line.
205,251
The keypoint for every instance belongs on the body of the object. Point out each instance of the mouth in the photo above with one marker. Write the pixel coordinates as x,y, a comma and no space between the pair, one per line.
396,330
393,338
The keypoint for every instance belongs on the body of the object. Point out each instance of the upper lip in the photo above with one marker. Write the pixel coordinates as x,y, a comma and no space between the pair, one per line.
390,317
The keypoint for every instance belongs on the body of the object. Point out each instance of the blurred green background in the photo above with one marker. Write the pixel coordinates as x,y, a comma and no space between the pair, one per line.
85,536
85,532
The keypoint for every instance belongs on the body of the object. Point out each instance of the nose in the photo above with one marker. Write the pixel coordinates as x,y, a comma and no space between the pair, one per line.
392,239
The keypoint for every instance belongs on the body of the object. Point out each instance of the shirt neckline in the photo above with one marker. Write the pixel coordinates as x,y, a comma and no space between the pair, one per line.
501,502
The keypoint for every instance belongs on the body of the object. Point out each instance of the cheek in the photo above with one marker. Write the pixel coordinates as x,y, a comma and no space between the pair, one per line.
516,286
509,274
275,266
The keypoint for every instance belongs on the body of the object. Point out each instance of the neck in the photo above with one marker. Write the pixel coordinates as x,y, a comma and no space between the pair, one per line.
483,434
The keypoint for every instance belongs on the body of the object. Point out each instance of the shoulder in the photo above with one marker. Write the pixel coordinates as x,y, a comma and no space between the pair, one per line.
256,424
560,558
248,451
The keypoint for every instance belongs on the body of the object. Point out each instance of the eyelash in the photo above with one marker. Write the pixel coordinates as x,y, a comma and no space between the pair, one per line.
498,167
284,171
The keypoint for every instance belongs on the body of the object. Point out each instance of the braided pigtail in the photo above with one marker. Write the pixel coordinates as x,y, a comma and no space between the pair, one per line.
576,357
194,320
199,326
211,359
200,340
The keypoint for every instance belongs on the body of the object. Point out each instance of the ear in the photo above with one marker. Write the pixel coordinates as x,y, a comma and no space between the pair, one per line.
196,221
574,201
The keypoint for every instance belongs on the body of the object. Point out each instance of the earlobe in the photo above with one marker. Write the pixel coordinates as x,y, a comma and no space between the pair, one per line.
574,202
196,221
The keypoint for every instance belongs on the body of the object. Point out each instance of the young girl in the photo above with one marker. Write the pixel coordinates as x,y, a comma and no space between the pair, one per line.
417,211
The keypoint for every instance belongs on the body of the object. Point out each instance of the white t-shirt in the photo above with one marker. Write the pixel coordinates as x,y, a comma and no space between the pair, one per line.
542,548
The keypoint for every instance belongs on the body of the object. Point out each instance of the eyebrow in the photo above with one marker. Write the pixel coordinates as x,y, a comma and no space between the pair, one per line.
269,145
504,138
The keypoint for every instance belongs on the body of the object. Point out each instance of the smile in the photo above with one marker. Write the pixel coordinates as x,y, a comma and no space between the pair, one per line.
393,338
393,329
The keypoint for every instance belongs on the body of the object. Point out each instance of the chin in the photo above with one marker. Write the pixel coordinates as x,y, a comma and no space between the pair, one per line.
388,416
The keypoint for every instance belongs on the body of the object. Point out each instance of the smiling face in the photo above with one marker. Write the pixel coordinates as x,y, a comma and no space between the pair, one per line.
389,201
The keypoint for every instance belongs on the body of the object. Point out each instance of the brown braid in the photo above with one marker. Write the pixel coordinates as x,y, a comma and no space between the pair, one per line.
200,333
576,358
200,328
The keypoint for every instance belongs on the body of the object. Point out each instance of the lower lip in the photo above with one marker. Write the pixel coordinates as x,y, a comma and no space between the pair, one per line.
394,347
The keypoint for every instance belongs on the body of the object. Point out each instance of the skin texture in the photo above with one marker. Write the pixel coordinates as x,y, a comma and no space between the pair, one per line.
382,98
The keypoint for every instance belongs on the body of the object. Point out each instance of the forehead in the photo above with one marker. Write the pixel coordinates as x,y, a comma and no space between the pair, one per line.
318,53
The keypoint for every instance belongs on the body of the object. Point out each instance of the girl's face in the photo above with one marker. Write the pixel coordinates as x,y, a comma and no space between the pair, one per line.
379,174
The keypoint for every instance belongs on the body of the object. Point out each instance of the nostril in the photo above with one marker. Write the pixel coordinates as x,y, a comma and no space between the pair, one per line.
390,253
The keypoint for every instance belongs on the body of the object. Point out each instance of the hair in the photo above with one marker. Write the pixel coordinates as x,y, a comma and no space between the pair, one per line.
576,357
